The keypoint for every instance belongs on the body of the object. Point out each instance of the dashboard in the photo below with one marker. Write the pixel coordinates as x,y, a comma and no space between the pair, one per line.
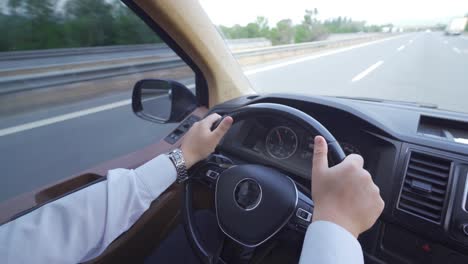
415,155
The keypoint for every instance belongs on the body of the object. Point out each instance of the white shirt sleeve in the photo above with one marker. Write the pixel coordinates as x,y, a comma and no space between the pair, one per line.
326,243
79,226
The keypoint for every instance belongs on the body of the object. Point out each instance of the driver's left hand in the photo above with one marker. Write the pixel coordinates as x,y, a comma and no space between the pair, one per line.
200,141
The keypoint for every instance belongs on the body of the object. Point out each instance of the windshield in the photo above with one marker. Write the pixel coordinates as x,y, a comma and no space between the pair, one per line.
410,51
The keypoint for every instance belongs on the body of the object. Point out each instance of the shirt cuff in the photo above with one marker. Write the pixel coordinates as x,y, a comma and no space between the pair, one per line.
157,174
327,242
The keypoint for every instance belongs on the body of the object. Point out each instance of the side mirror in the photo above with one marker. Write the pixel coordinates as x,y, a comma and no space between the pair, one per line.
162,101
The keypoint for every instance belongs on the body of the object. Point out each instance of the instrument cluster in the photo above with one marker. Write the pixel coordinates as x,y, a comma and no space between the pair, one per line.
282,142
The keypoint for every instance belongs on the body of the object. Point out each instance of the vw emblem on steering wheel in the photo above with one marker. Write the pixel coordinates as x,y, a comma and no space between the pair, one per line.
247,194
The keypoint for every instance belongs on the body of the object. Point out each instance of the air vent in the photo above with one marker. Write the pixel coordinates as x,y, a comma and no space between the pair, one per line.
425,186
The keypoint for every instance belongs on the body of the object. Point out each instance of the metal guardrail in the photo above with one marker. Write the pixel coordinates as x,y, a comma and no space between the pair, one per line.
11,85
302,46
34,54
36,81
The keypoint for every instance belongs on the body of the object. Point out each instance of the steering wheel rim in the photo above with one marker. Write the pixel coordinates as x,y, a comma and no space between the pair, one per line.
299,117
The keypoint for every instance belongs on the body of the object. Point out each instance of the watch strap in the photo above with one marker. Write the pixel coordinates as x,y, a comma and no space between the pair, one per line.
179,163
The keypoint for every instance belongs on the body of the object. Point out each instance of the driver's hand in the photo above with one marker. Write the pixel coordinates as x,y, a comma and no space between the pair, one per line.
344,194
200,141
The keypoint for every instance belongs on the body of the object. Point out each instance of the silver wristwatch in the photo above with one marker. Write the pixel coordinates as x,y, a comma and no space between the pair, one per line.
179,163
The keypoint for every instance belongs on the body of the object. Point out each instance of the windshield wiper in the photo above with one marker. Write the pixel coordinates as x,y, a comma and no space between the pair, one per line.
370,99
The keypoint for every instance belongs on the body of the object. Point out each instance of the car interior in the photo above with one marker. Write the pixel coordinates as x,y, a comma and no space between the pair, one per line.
415,154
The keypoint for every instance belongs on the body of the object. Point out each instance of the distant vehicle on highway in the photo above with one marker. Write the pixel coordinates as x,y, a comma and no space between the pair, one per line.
456,26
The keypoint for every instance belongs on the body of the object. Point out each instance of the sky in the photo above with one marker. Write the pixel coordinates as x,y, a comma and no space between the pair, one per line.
398,12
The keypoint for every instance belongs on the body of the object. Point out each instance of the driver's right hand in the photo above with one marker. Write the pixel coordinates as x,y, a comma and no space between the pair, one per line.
345,193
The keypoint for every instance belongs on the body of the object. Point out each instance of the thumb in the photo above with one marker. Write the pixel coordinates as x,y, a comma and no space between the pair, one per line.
320,159
223,127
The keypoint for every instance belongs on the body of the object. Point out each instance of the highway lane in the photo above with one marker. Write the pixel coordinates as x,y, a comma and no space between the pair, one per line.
427,71
458,44
416,67
327,75
46,154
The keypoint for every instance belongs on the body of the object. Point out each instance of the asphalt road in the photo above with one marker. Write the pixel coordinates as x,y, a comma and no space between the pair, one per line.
420,67
42,147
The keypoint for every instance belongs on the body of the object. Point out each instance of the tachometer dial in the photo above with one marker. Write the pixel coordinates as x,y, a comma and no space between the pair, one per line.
281,142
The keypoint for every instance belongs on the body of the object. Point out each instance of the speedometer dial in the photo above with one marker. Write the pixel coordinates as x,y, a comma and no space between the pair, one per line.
281,142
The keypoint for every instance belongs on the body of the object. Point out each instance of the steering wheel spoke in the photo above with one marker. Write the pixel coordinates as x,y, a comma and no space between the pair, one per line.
303,213
208,170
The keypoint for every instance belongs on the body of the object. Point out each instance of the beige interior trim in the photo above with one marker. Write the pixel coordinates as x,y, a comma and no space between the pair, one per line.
189,26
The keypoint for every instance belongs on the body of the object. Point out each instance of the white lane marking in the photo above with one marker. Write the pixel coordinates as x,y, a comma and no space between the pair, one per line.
65,117
61,118
456,50
410,42
401,48
367,71
313,57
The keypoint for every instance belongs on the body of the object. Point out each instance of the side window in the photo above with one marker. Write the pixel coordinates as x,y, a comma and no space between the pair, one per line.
67,69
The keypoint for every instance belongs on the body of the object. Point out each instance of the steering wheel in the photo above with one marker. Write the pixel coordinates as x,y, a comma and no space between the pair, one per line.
254,202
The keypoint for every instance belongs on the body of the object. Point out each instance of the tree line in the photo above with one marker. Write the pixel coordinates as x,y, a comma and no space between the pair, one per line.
47,24
310,29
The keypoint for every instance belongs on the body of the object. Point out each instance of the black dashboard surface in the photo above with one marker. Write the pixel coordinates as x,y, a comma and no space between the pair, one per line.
386,135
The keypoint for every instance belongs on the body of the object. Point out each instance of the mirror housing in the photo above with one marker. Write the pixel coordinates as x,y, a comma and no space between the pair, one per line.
162,101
